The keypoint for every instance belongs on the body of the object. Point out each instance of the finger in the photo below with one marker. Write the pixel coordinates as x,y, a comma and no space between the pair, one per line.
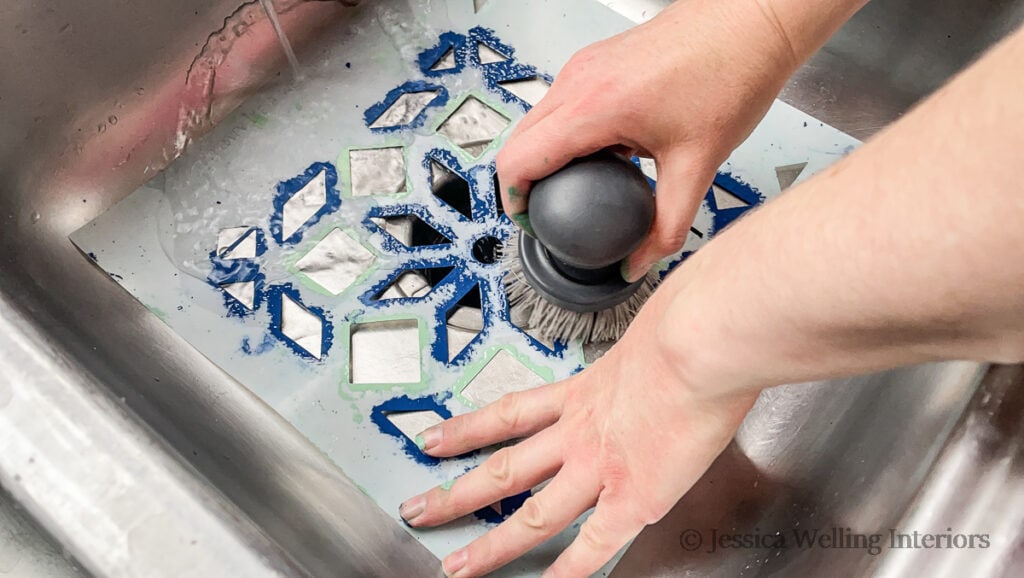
544,148
601,536
514,415
542,516
510,471
682,184
539,112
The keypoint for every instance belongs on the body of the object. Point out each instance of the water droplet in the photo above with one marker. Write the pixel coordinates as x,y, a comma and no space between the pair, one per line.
112,119
35,217
101,127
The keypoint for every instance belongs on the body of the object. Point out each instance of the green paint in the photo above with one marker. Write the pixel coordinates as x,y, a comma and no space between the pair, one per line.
258,118
624,269
420,443
160,313
298,106
454,105
448,485
513,193
344,165
474,368
292,259
523,220
344,330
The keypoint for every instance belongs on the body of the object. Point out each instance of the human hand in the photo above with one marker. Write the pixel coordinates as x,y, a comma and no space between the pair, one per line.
685,88
629,435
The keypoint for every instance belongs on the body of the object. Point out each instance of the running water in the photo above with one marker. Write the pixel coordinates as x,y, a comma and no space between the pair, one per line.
268,7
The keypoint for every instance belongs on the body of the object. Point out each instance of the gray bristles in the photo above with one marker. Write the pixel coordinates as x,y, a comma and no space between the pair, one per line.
556,323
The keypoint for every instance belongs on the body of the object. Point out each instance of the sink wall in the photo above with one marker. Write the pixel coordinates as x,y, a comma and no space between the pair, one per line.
90,101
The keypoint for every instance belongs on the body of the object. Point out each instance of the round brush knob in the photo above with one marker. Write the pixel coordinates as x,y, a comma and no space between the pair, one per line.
593,213
587,218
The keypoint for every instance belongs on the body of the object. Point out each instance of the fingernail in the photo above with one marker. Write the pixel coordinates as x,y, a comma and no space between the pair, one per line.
630,272
412,509
454,563
429,438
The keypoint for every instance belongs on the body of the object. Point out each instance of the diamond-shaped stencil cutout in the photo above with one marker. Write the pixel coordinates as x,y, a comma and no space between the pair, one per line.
529,90
502,374
464,322
726,200
244,293
452,189
237,243
378,171
788,174
405,109
336,262
304,205
413,283
489,55
412,423
474,126
446,62
411,231
385,352
302,327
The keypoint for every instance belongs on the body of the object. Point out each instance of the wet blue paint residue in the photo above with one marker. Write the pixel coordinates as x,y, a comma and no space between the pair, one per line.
275,298
448,41
464,48
392,245
287,189
405,404
264,346
372,297
508,507
374,112
93,257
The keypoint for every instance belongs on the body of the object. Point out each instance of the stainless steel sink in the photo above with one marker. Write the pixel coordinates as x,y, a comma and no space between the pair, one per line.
138,456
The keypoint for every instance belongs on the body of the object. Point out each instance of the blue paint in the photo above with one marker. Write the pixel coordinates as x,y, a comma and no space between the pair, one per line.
264,346
722,218
431,56
392,245
261,242
488,37
275,297
236,308
508,507
483,201
93,257
371,298
405,404
374,112
287,189
464,284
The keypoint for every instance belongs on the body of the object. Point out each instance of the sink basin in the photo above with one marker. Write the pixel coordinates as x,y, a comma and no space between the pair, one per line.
140,457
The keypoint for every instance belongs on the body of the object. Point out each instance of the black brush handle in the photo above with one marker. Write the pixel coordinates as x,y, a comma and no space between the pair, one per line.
592,214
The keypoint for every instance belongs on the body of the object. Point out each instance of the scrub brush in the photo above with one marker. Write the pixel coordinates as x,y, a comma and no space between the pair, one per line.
586,218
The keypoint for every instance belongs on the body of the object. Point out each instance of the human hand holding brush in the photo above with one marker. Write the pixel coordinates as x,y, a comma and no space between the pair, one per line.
684,89
914,255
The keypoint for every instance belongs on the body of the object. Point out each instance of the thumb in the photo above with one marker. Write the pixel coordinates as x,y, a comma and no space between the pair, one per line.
682,184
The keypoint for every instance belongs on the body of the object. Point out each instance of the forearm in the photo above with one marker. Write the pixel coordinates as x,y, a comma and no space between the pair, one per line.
779,34
909,250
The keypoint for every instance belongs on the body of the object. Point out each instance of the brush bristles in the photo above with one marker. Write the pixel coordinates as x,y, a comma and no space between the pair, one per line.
560,324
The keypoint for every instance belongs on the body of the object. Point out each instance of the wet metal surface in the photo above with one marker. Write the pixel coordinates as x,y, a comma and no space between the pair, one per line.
92,102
